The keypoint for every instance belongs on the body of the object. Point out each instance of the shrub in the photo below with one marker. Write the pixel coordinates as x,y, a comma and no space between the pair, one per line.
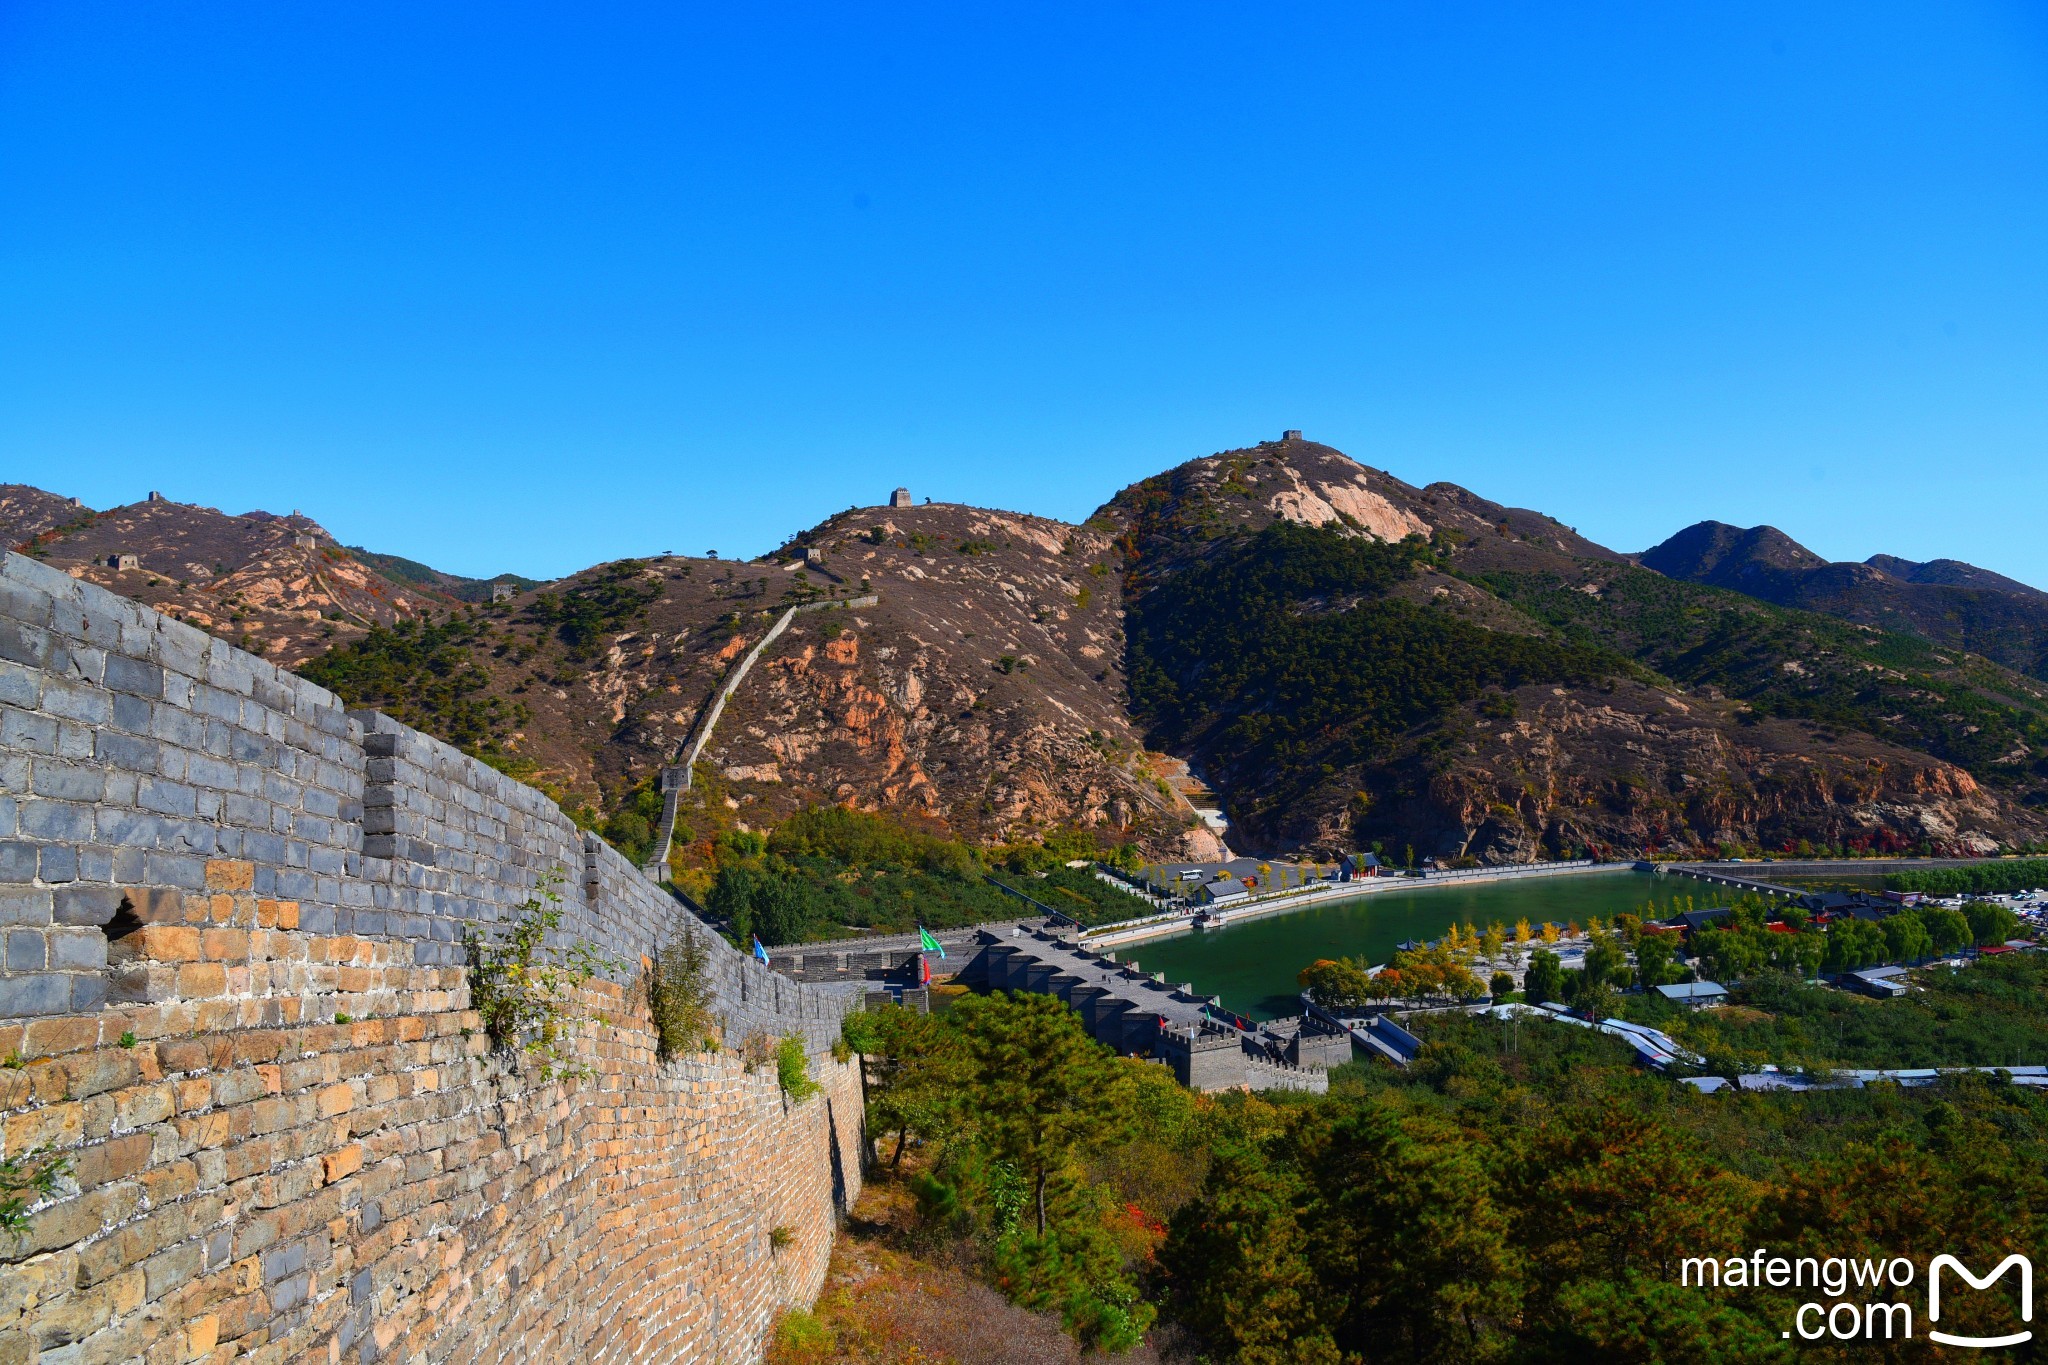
24,1179
523,988
802,1335
679,996
793,1069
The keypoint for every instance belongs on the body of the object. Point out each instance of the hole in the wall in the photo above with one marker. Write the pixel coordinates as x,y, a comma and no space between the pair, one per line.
124,922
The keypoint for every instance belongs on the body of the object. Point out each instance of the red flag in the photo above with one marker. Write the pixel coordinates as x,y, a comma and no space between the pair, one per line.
925,965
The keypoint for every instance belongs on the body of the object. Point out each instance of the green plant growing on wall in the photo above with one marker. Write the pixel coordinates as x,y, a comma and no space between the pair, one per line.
679,996
25,1178
523,987
793,1069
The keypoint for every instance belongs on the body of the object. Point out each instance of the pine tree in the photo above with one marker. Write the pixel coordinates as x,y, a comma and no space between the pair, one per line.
1046,1086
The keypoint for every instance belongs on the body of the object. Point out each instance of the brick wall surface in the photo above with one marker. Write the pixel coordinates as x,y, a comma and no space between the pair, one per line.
233,1000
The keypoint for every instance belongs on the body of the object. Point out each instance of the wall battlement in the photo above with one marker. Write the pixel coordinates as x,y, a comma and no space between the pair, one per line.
234,997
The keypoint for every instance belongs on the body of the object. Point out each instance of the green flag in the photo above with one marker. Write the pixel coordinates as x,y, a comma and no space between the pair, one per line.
928,943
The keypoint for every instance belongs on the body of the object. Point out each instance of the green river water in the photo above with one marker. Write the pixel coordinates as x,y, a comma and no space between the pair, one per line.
1253,965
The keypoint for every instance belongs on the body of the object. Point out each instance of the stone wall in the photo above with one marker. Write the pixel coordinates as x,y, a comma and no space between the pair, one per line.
233,1001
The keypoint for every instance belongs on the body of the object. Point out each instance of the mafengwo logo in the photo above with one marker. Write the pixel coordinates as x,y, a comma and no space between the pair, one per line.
1941,1263
1851,1286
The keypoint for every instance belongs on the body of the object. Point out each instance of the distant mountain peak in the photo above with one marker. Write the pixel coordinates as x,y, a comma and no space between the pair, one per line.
1945,601
1953,573
1719,554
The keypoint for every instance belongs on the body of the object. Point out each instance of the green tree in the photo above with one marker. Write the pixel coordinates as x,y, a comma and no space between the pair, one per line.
916,1069
1240,1260
1043,1089
1854,944
1606,963
771,905
1407,1234
1337,983
1990,922
1906,937
1544,981
1730,954
1948,929
1654,965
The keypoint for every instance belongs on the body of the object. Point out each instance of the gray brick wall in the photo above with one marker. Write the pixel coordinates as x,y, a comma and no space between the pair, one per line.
134,749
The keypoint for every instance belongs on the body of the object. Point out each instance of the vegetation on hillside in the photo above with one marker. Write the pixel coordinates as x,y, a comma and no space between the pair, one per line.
828,869
1986,1014
605,603
1804,666
1045,1159
1522,1193
423,673
1283,656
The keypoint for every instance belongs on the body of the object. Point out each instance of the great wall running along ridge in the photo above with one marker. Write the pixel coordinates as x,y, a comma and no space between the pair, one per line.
677,777
234,1002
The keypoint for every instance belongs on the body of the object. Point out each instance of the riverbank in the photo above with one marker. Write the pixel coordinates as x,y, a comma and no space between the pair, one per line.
1288,902
1253,964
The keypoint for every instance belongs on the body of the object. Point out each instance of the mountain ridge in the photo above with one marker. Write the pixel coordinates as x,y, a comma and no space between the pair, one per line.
1946,601
1018,675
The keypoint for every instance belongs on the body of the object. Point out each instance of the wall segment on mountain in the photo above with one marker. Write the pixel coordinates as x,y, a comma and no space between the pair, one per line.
235,1003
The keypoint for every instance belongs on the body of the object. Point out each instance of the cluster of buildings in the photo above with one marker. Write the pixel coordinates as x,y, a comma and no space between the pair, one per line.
1823,908
1239,879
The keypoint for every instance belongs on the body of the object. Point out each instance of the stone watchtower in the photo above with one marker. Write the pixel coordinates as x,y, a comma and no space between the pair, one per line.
900,498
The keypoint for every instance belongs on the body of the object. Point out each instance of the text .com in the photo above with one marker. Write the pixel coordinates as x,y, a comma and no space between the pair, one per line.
1875,1299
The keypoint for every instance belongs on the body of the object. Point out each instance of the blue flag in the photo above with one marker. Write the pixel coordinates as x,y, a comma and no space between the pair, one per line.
759,951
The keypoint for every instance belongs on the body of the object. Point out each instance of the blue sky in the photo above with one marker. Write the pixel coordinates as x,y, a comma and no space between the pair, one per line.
525,287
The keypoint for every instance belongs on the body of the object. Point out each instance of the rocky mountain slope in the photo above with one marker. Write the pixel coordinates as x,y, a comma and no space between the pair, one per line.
1335,657
959,667
1665,715
28,513
276,585
1945,601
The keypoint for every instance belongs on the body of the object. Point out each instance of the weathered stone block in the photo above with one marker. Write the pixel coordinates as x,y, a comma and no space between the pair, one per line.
17,861
27,950
57,863
84,904
36,993
78,950
137,677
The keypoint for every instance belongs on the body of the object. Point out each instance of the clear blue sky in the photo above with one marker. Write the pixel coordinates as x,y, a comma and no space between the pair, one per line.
512,286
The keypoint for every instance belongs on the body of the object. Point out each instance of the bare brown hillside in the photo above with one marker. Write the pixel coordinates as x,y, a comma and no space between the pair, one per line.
277,585
979,691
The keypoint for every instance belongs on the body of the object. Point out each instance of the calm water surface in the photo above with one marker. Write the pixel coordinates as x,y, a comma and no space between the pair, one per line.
1252,966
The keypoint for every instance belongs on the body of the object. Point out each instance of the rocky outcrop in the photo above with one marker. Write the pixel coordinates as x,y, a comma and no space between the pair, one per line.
983,690
278,586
